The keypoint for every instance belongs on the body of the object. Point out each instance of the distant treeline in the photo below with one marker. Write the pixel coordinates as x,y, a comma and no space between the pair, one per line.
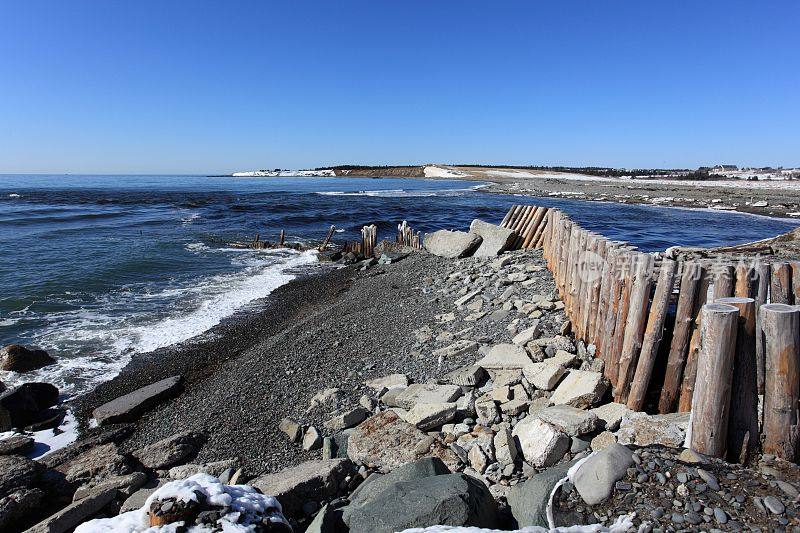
607,172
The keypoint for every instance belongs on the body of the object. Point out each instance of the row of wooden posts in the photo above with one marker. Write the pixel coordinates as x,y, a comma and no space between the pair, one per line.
369,239
408,237
622,300
530,223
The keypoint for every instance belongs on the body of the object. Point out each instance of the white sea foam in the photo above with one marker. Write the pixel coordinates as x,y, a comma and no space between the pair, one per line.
397,193
189,219
197,247
192,310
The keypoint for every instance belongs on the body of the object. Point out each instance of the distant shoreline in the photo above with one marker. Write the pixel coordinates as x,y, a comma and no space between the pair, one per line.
773,198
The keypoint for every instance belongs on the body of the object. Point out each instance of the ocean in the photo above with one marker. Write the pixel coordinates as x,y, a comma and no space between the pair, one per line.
98,268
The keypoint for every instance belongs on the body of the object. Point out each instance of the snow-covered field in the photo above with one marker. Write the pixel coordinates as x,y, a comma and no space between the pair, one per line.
432,171
739,182
283,173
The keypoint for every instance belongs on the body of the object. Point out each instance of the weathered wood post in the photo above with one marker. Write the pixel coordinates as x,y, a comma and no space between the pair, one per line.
745,281
325,243
596,287
795,266
724,283
621,319
641,285
780,287
781,332
743,423
681,334
690,370
653,334
711,401
511,211
763,277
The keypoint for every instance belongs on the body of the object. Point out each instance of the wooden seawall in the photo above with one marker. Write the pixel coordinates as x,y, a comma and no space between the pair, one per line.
683,335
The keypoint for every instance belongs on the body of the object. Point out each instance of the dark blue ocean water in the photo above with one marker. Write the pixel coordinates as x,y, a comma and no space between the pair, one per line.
97,268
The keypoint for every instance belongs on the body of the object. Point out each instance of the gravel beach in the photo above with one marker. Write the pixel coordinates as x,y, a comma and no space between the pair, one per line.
334,329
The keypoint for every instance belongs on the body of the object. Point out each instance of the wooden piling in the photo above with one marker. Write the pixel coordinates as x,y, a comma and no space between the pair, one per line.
325,243
690,370
781,284
745,281
653,335
693,272
511,211
596,287
588,265
781,332
641,285
795,268
711,402
621,319
538,235
762,289
724,282
743,422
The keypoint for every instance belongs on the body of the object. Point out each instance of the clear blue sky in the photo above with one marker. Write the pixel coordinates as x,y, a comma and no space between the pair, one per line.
215,86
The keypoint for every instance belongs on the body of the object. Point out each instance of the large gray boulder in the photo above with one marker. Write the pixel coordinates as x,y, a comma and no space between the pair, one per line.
311,480
18,473
571,420
19,507
386,441
171,451
16,358
24,405
596,477
376,484
427,393
98,463
528,500
505,357
540,443
450,500
131,406
642,429
495,239
452,244
581,389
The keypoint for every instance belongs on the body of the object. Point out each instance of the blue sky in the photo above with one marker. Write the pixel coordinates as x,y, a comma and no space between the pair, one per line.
210,86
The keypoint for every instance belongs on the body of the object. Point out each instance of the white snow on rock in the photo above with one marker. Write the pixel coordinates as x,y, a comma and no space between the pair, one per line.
432,171
247,508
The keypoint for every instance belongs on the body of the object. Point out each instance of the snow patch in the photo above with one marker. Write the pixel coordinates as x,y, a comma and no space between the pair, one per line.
50,440
432,171
246,508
